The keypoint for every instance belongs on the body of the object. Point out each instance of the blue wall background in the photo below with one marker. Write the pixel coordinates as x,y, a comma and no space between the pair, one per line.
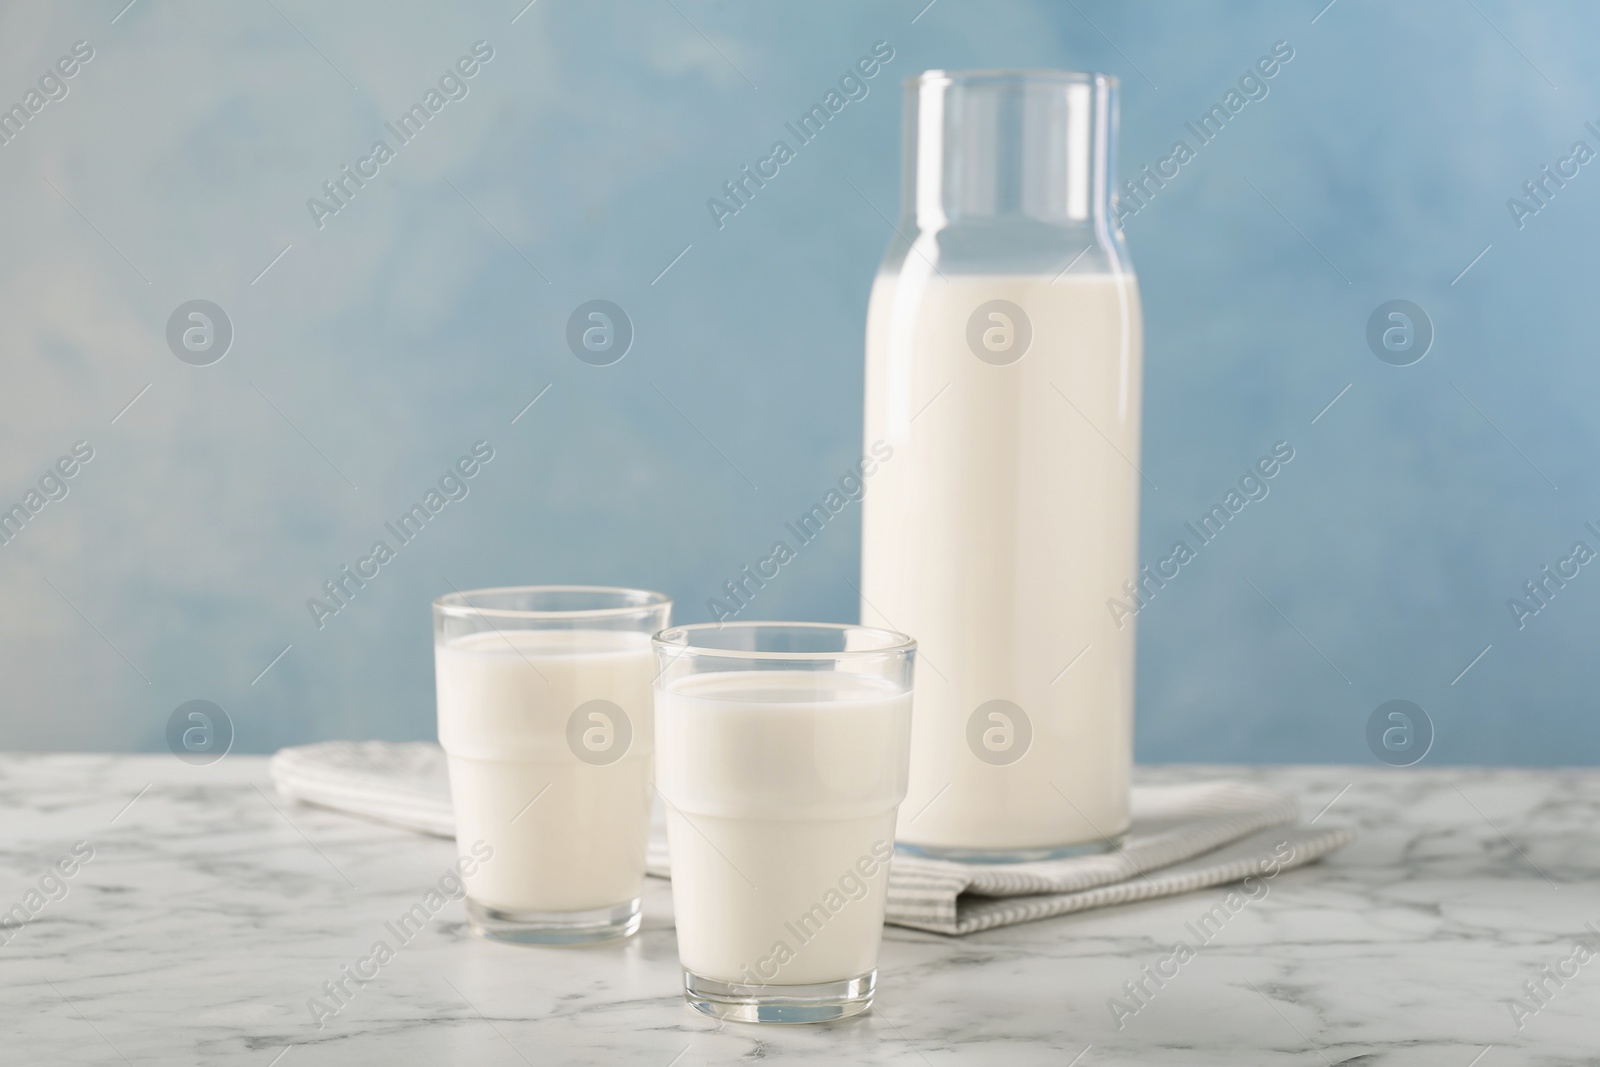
425,315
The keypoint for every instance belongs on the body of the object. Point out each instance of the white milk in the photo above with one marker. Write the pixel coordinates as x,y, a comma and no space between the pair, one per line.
505,699
781,789
1006,517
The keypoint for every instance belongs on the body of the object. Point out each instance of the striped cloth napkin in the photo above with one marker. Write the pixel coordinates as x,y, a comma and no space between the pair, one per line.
1184,838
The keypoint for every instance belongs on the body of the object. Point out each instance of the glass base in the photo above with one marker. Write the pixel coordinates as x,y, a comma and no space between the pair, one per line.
555,927
744,1003
1009,855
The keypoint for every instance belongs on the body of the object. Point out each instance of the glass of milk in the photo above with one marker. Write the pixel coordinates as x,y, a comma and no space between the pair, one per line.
545,717
782,755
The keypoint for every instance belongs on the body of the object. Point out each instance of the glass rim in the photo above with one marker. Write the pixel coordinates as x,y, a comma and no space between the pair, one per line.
894,643
459,604
1003,75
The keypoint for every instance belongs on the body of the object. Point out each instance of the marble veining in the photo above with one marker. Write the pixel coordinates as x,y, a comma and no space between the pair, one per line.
211,912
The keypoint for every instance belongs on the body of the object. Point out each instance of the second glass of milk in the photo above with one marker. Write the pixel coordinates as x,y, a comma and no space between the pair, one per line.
782,754
545,717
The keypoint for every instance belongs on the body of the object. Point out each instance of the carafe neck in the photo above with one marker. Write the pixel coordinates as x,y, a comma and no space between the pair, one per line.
1010,147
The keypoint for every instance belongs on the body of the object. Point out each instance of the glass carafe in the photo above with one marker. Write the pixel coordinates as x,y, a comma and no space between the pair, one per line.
1004,374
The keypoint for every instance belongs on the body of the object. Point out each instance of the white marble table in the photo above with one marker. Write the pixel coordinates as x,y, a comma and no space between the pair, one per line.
210,913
